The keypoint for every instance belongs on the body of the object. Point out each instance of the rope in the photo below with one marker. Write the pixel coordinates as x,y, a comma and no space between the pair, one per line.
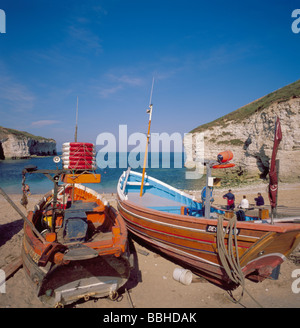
87,153
229,256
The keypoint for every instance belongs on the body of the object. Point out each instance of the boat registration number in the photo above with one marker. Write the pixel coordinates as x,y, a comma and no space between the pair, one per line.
212,228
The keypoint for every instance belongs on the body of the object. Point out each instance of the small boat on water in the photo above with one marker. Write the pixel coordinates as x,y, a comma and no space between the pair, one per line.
75,244
174,223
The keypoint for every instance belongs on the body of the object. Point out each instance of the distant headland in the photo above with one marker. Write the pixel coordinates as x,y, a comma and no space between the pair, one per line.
16,144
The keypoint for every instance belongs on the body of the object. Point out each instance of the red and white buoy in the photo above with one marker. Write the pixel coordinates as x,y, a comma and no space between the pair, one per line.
79,156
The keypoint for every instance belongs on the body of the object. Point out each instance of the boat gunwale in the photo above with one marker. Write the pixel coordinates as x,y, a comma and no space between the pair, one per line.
109,247
276,227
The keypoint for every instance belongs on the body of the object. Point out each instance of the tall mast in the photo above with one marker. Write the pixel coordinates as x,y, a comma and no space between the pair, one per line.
76,127
149,111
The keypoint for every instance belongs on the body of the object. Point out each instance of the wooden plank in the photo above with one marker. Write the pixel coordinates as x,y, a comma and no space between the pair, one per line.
81,178
11,268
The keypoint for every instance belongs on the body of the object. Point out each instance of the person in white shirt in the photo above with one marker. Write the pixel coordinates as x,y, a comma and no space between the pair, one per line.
244,203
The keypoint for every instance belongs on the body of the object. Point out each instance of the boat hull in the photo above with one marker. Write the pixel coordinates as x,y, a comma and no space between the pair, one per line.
60,285
65,270
193,241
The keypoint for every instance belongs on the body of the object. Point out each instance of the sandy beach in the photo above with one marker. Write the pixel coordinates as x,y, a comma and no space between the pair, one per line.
152,285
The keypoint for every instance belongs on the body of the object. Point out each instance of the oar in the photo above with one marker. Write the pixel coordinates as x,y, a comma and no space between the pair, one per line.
33,228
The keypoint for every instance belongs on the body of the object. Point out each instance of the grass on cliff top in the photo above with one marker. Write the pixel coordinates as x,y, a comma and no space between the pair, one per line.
290,91
21,134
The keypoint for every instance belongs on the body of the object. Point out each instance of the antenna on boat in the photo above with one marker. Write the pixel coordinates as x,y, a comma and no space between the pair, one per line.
76,127
149,111
150,101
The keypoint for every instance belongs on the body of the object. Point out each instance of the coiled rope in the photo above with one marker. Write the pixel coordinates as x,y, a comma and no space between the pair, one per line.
229,256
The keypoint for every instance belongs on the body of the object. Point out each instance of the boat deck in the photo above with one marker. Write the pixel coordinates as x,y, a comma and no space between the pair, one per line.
162,204
155,202
150,200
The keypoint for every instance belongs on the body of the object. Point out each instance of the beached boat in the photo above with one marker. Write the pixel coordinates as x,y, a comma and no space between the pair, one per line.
75,243
222,250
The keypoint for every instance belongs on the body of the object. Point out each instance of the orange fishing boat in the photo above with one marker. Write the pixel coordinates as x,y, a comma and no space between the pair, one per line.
75,243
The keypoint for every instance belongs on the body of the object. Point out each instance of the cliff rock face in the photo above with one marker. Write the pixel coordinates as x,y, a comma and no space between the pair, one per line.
17,144
251,141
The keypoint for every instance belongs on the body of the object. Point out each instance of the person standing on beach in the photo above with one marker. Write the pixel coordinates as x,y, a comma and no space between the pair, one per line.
230,200
259,200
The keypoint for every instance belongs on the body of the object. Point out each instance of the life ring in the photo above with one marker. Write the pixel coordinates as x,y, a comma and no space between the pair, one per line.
75,158
79,153
80,167
78,144
203,194
79,161
223,166
78,150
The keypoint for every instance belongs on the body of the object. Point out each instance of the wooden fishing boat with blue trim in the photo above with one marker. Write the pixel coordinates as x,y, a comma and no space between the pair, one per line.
174,223
75,244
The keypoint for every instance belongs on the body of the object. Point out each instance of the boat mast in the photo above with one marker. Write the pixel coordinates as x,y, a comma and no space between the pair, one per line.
76,127
149,111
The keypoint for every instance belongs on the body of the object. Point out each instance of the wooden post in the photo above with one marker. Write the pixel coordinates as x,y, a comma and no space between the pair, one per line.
207,191
274,210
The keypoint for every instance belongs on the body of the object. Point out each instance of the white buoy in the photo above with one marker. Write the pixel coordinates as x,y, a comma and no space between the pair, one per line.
184,276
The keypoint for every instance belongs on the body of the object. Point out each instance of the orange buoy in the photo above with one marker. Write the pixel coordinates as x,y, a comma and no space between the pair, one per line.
225,156
223,166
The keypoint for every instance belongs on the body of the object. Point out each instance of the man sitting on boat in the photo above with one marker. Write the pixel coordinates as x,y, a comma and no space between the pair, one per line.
244,203
259,200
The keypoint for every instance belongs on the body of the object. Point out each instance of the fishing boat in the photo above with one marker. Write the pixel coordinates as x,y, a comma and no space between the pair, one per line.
75,243
221,249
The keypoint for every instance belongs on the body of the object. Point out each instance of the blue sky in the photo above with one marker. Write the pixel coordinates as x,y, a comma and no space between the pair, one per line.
208,58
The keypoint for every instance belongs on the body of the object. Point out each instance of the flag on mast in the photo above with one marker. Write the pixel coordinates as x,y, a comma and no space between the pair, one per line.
273,178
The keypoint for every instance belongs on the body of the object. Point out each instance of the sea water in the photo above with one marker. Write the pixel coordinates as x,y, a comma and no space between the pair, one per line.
168,168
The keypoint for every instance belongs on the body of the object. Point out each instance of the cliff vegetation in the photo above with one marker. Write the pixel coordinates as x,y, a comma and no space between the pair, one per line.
290,91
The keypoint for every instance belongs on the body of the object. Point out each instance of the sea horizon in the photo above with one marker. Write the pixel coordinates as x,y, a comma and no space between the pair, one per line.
169,168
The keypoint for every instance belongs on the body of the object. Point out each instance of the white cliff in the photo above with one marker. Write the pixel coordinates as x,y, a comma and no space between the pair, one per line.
17,144
251,141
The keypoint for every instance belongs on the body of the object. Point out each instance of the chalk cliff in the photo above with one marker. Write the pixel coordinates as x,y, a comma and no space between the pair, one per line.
249,133
17,144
